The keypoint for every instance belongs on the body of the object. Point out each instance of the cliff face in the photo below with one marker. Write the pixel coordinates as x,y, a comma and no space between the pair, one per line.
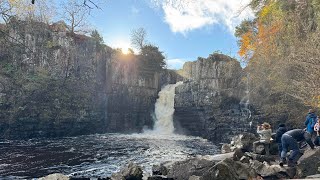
53,83
208,103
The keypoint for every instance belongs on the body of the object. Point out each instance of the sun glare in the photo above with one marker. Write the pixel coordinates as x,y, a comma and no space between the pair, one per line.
125,50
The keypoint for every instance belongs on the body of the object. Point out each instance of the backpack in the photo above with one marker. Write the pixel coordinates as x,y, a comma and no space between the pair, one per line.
313,122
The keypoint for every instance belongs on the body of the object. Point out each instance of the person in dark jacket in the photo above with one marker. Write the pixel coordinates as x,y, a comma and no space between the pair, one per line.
280,131
311,121
289,141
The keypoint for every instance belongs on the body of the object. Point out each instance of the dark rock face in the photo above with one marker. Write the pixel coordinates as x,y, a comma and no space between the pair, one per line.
208,103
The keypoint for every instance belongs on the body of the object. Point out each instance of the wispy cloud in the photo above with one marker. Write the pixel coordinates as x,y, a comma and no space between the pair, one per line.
186,15
176,63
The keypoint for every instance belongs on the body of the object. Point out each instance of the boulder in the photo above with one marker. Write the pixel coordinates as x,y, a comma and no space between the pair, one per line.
309,163
55,176
129,172
243,141
182,170
229,169
271,171
226,148
159,170
260,158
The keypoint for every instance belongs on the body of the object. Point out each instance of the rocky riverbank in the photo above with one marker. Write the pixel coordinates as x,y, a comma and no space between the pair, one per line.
240,163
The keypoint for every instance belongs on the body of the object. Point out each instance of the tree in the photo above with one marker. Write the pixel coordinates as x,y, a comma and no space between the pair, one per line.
152,58
139,38
97,38
75,16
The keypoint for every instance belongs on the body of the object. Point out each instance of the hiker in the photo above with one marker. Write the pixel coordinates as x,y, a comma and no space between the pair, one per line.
265,135
317,130
310,122
280,131
290,141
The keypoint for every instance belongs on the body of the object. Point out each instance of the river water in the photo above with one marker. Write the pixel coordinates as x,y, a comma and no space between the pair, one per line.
95,155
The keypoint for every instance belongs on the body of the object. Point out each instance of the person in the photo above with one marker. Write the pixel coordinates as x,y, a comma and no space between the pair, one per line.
289,141
310,121
317,130
265,135
280,131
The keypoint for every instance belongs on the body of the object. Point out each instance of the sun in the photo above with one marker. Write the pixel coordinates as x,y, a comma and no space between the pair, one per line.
125,51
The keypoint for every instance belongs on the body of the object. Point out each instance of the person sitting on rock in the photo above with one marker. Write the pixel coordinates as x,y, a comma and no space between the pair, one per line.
289,141
280,131
265,135
317,130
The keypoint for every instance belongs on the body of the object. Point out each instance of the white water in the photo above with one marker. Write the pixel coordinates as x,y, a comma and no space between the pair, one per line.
164,109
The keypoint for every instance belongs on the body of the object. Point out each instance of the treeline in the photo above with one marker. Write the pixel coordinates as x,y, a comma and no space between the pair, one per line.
281,49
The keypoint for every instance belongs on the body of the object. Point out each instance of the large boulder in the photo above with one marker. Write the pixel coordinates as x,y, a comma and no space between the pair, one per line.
56,176
309,163
243,141
271,171
182,170
159,170
229,169
129,172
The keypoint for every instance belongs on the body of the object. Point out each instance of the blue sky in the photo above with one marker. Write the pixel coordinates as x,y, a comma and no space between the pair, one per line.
182,29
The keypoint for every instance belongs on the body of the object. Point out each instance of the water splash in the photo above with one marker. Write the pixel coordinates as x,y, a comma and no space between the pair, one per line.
164,109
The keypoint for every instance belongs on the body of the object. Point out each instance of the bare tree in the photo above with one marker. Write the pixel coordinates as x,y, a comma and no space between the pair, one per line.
139,38
75,16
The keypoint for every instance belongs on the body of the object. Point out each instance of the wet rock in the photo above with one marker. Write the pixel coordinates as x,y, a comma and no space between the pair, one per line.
309,163
226,148
245,159
184,169
56,176
159,170
130,172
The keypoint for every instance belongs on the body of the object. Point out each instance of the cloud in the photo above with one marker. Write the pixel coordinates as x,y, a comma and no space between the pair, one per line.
186,15
176,63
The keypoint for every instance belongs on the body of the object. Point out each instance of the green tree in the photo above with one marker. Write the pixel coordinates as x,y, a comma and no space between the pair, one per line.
152,58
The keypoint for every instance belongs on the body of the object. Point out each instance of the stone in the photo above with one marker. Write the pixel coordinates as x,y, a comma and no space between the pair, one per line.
182,170
309,163
244,141
225,148
159,170
129,172
265,170
56,176
229,169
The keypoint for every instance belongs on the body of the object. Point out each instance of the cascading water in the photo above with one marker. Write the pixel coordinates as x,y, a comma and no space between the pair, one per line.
164,109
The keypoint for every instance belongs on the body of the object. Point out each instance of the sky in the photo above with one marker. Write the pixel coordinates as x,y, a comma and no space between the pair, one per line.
182,29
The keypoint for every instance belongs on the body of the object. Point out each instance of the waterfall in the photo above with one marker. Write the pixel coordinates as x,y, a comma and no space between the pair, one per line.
164,109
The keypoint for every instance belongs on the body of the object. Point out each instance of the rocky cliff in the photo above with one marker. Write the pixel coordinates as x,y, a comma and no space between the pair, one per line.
208,104
53,83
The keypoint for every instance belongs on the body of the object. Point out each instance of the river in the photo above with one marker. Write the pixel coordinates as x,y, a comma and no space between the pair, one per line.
95,155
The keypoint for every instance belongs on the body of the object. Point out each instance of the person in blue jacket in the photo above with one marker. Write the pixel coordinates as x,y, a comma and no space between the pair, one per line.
280,131
311,120
289,141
